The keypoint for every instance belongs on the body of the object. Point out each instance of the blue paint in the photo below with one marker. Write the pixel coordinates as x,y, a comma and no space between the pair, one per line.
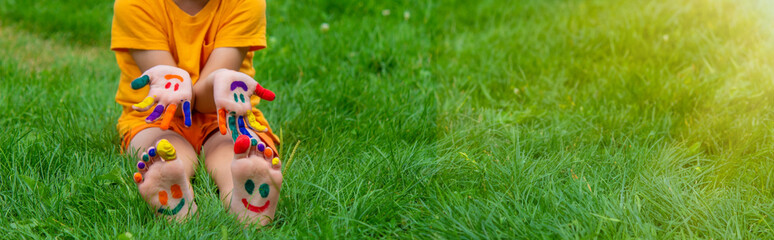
152,151
242,129
187,113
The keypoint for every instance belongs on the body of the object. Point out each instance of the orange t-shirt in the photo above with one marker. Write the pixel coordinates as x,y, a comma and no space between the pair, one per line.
162,25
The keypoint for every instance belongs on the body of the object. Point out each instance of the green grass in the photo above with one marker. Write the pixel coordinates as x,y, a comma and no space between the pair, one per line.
471,119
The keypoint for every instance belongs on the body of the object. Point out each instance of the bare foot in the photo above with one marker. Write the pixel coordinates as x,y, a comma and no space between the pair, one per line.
257,181
162,182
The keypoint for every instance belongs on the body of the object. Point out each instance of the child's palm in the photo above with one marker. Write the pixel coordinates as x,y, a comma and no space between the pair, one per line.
231,92
169,87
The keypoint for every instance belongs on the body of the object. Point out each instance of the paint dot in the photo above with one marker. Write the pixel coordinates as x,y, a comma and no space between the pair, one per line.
167,85
152,151
177,85
242,97
141,165
261,147
264,190
249,186
145,157
163,198
235,98
137,177
275,161
253,142
268,153
176,191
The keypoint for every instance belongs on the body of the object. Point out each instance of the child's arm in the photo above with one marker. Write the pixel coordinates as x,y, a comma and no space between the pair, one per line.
220,58
146,59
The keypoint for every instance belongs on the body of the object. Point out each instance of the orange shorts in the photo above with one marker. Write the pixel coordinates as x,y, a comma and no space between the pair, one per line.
202,125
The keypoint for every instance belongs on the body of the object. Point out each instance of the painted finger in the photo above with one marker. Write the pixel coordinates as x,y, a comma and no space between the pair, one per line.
165,150
168,115
253,122
242,129
264,93
233,127
145,104
187,113
140,82
222,121
155,114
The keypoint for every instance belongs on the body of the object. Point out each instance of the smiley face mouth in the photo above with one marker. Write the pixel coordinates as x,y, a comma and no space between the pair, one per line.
173,211
254,208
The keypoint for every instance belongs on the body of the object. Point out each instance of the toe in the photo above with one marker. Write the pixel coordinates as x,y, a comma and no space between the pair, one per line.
165,150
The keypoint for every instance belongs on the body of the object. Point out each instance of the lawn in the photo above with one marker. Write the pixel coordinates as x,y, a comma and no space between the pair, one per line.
442,119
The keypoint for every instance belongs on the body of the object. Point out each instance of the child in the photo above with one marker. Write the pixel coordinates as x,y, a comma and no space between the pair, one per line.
190,61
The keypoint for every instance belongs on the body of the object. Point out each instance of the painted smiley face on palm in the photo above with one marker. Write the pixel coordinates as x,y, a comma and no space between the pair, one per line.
240,96
177,193
263,190
171,79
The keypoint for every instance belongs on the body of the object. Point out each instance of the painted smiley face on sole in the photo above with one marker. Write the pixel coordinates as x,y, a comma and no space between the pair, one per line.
177,193
264,191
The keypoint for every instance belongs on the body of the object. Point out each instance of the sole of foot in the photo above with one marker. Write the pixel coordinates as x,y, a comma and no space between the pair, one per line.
162,182
257,181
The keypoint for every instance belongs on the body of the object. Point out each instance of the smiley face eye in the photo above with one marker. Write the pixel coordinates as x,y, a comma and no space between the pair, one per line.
249,186
264,190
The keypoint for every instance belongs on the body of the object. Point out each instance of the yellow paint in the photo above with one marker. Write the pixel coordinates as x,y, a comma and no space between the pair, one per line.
166,150
145,103
275,161
254,123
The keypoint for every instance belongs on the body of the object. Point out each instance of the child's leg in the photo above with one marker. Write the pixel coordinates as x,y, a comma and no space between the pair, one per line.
249,181
167,162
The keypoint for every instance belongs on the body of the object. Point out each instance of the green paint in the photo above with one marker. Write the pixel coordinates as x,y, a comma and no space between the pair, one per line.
140,82
233,127
242,96
264,190
253,142
235,98
145,157
249,186
174,210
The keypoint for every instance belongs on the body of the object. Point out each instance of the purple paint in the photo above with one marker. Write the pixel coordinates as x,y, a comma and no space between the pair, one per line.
238,84
155,114
141,165
261,147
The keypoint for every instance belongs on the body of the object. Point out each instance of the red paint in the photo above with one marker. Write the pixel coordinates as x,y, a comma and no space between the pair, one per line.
242,144
177,85
264,93
254,208
168,84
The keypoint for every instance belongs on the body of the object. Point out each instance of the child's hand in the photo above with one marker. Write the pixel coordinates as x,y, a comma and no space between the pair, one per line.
169,86
231,92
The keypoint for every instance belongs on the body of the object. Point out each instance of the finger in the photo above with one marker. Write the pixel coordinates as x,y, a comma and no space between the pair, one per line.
253,122
222,121
264,93
165,150
140,82
168,115
232,126
242,129
155,114
145,104
187,113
